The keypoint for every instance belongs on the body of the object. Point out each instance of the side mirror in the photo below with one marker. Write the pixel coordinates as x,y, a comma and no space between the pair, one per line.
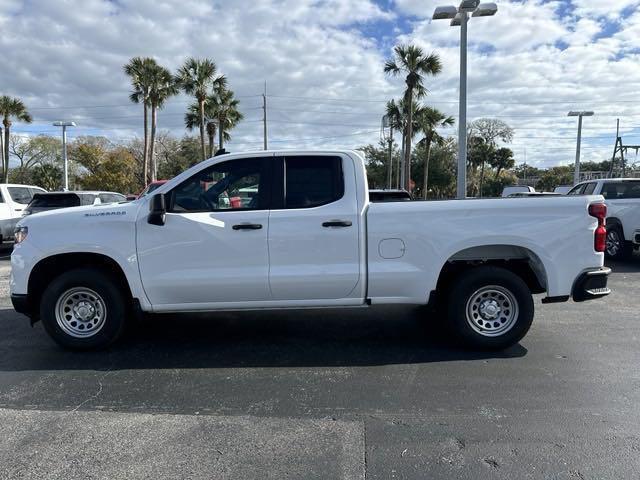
157,209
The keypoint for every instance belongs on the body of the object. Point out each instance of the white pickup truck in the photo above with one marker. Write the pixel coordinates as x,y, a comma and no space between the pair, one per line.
296,230
622,197
14,199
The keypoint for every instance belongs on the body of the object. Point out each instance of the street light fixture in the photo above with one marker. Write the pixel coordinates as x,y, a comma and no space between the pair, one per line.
460,17
576,171
64,126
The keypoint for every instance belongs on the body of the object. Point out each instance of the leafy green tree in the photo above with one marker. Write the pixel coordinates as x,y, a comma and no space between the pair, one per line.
115,171
11,107
480,152
199,77
428,121
484,134
377,162
30,152
140,71
411,62
490,130
177,155
47,176
502,160
554,177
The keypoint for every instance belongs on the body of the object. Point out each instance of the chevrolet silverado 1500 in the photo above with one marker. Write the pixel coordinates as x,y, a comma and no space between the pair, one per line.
296,230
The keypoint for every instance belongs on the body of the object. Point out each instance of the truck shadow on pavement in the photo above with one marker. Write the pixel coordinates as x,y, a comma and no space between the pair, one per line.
351,337
631,265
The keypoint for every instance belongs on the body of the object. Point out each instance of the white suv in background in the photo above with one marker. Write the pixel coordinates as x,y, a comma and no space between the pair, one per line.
622,196
14,199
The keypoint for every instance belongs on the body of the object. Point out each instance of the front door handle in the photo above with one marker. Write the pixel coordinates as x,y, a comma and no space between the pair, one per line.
247,226
337,223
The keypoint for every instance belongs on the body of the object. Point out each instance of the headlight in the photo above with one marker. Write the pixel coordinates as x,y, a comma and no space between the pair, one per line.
20,234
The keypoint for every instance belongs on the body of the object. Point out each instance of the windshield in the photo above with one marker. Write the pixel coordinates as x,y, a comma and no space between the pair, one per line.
20,194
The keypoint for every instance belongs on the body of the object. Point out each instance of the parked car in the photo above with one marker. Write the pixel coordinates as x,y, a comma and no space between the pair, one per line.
533,194
506,191
310,237
622,196
389,195
54,200
14,199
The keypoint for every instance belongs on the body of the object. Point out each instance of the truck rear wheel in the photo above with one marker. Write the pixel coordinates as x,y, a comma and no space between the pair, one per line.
83,309
490,308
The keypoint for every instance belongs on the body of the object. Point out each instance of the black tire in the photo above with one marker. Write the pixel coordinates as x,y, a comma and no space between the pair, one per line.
111,323
617,247
508,297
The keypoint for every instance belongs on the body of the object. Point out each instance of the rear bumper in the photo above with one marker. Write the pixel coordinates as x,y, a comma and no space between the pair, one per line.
591,284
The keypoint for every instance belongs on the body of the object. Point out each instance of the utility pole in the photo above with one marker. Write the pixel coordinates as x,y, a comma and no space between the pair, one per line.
576,171
462,111
64,126
264,114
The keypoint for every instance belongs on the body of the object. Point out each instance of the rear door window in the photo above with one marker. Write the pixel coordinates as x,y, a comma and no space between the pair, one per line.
589,188
621,190
311,181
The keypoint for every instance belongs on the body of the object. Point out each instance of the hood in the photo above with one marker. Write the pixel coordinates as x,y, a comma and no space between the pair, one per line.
105,212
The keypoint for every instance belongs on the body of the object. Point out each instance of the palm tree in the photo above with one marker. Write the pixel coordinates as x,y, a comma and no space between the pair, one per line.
411,61
197,77
398,118
225,108
11,108
192,120
428,120
140,70
162,87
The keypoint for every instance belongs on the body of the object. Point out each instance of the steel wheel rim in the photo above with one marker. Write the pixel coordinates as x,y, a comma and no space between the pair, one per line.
613,243
492,311
80,312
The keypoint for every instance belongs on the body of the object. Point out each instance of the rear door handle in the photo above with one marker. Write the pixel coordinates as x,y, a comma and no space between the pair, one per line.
247,226
337,223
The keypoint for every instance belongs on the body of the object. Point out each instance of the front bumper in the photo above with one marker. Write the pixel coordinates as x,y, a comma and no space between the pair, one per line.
591,284
20,304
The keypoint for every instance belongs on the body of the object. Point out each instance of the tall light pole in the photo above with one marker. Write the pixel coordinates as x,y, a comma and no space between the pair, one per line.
64,126
460,17
576,171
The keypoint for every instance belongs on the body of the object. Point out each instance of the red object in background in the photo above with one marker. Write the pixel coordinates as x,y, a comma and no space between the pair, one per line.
599,211
236,202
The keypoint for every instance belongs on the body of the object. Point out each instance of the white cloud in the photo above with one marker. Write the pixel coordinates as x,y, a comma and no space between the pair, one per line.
528,65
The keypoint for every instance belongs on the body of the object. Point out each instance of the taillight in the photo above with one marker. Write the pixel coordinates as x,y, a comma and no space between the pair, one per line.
599,211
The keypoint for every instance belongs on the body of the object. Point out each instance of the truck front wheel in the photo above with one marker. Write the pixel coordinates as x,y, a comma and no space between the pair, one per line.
83,309
490,308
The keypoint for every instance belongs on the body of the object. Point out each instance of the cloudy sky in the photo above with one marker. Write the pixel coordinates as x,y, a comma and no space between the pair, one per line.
322,61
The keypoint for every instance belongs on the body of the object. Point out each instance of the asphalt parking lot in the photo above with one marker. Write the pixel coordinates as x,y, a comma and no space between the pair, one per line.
373,394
